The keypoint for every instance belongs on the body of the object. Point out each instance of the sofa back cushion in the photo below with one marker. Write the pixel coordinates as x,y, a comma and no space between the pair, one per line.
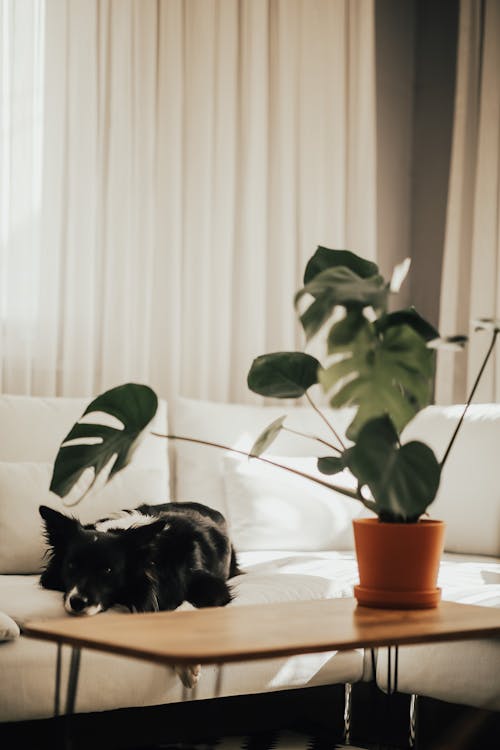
267,508
31,430
468,499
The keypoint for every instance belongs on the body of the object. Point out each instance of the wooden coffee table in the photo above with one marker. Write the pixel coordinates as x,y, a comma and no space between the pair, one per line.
264,631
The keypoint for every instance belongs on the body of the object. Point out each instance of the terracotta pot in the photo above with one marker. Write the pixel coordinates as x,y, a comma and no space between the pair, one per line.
398,563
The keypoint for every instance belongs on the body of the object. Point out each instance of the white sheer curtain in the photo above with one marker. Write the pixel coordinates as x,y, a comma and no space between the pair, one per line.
193,155
471,270
21,112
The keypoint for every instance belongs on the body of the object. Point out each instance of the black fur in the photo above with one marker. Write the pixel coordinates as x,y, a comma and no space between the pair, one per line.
183,553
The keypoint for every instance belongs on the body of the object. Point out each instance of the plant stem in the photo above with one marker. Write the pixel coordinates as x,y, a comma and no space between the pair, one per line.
313,437
471,396
343,490
325,420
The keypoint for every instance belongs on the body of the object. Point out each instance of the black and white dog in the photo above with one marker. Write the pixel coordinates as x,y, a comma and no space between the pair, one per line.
150,559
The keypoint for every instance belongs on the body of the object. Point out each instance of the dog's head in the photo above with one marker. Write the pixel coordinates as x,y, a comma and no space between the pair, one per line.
94,567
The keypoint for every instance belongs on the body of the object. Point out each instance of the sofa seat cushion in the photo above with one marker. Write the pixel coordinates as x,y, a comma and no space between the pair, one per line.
23,599
108,682
464,672
269,577
339,569
280,575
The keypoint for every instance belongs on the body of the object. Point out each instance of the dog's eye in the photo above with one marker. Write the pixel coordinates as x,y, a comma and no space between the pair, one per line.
108,571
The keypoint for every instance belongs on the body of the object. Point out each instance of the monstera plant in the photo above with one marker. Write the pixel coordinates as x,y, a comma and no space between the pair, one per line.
378,361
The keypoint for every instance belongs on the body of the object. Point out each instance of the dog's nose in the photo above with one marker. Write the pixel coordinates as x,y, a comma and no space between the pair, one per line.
77,602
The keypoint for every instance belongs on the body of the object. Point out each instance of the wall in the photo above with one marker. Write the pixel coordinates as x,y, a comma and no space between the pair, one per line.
415,75
435,62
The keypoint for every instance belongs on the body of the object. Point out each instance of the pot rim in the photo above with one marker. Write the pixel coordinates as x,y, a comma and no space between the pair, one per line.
378,522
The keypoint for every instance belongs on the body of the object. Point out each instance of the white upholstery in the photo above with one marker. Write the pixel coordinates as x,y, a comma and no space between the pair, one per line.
24,486
108,682
22,598
469,495
27,667
9,630
199,469
270,508
31,430
466,671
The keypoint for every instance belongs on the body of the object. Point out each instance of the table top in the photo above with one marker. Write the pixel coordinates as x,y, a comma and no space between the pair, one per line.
240,633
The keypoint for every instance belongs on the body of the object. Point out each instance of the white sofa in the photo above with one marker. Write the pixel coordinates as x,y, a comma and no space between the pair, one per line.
294,542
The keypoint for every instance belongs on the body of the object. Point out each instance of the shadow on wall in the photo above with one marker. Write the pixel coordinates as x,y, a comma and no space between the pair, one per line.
416,55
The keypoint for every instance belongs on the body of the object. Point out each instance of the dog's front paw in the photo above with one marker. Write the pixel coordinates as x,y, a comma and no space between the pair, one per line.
189,674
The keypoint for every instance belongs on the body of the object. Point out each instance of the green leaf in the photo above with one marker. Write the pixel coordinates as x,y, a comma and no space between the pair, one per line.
403,480
267,436
324,258
409,317
353,330
386,374
283,374
316,315
339,286
330,465
134,406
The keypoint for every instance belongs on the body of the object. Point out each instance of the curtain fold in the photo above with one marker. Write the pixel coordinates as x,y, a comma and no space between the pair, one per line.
21,112
193,155
471,266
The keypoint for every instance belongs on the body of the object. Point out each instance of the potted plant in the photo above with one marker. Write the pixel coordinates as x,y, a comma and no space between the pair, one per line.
379,362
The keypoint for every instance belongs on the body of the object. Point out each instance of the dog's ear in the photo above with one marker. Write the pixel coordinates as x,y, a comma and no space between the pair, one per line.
141,536
58,527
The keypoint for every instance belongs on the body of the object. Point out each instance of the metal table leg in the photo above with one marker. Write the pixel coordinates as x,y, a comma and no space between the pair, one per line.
74,670
392,687
412,739
348,721
57,693
392,684
347,712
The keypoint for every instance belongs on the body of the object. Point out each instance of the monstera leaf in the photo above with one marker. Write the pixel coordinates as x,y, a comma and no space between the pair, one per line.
94,445
331,464
325,258
283,374
409,317
350,334
403,479
267,437
339,286
383,374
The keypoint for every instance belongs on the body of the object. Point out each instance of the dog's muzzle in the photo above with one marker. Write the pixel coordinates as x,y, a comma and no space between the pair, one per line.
77,604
